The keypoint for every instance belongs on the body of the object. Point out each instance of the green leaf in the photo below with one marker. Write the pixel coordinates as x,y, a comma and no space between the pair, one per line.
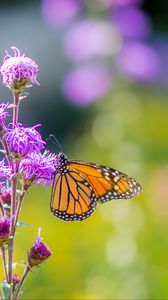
6,290
21,224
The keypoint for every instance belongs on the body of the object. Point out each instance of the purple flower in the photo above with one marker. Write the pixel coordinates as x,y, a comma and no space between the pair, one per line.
3,113
87,84
139,61
38,168
18,71
58,13
4,230
38,253
23,141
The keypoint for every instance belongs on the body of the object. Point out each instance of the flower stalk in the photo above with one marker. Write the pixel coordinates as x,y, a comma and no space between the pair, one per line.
13,200
2,208
25,273
4,262
23,166
10,248
16,96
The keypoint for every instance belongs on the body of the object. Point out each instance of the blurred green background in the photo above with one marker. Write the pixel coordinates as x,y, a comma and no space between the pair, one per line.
103,93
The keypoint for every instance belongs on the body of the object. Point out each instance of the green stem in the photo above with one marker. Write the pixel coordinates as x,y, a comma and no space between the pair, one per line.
1,207
14,181
25,273
5,146
19,206
4,263
16,97
12,230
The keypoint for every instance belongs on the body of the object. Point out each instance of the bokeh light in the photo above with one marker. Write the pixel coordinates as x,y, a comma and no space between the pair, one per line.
87,84
58,13
126,2
131,22
103,40
139,61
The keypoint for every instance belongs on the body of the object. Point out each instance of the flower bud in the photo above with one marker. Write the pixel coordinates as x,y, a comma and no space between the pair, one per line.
4,231
15,279
38,253
6,201
6,198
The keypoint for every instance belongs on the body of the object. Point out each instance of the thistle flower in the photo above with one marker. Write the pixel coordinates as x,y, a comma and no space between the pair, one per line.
23,141
4,230
38,168
18,71
38,253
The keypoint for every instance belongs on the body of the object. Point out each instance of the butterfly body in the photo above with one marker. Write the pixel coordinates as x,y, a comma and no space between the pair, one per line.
78,187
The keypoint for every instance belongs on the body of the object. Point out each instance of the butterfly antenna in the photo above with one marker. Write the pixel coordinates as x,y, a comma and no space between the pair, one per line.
55,141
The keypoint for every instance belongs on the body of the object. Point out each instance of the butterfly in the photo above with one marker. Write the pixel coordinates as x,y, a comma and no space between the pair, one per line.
78,187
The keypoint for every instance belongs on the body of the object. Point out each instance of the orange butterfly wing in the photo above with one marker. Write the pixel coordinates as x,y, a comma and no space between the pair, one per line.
78,187
72,197
107,183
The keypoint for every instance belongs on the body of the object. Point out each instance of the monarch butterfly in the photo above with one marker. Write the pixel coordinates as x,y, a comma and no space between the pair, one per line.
78,187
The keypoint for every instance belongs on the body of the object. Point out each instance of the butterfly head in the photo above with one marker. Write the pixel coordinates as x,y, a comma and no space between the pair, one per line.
61,163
